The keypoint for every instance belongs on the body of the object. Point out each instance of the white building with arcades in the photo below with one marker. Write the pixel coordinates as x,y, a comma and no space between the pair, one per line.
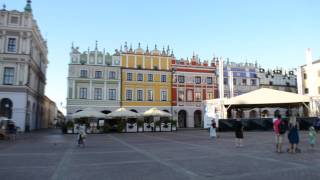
23,66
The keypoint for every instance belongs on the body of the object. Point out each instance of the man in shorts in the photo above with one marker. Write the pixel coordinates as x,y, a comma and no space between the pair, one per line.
279,133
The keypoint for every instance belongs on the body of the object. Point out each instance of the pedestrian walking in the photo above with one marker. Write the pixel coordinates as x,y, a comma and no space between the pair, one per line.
238,127
317,124
279,128
312,136
293,135
12,131
213,133
82,135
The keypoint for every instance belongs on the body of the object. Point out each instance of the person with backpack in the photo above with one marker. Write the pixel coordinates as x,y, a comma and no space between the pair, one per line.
279,127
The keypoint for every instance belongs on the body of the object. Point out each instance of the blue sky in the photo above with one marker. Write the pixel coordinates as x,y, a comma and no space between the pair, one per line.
273,32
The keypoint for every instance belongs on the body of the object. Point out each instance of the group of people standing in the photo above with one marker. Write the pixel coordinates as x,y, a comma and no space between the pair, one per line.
238,127
280,127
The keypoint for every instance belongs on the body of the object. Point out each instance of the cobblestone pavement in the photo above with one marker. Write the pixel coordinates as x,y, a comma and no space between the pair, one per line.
186,154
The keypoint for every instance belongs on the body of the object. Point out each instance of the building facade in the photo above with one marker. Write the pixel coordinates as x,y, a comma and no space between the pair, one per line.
94,80
278,79
146,78
239,78
23,66
50,113
193,82
309,82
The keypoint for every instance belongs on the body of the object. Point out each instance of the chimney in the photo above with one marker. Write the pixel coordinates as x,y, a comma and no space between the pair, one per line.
309,56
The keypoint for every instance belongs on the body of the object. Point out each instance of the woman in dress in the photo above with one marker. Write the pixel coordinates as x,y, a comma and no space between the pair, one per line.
213,133
293,135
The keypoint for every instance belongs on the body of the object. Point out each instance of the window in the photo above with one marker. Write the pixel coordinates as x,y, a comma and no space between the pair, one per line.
163,95
83,73
270,83
12,45
318,89
225,81
8,76
304,76
139,95
198,80
244,82
318,73
287,84
83,93
189,95
14,20
112,75
140,77
97,93
234,81
243,74
181,79
98,74
150,77
150,95
163,78
253,82
181,95
112,94
129,76
209,80
253,75
209,95
129,95
306,91
198,96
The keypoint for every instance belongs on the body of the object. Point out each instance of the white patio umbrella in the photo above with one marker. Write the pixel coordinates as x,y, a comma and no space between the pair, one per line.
123,113
88,112
156,113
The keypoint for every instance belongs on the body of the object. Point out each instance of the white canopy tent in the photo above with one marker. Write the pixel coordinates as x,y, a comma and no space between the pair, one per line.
266,96
88,112
123,113
260,98
156,113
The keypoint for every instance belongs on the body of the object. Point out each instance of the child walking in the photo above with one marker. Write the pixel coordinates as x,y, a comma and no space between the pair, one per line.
312,136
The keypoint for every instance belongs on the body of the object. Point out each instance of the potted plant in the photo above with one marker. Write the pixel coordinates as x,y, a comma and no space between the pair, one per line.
106,128
174,124
140,124
120,125
157,125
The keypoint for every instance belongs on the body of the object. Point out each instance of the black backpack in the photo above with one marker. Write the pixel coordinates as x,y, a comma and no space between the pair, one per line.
282,127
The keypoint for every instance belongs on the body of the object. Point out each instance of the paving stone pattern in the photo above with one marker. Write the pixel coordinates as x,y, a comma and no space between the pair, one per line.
185,154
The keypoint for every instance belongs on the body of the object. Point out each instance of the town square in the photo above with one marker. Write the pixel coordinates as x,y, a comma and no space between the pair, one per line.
186,154
159,90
